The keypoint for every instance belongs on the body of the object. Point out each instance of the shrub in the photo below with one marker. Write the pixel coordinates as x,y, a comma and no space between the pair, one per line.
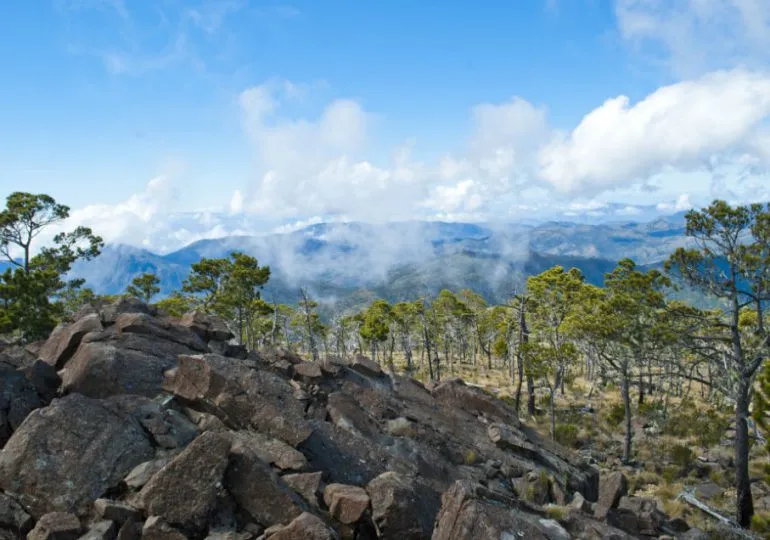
681,456
555,512
566,435
471,458
615,414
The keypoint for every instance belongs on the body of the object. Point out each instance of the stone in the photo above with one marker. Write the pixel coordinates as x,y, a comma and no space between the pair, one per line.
124,304
708,490
169,428
307,371
579,503
270,450
13,516
115,511
65,339
308,485
470,513
347,414
306,526
347,504
18,398
161,330
208,327
365,366
101,369
611,489
68,454
56,526
398,510
130,530
184,492
44,378
156,528
101,530
259,491
142,473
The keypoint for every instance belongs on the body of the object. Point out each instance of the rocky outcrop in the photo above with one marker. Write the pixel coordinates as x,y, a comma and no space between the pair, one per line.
164,429
66,455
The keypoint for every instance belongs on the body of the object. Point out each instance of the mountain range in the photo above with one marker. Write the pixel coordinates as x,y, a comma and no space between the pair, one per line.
351,263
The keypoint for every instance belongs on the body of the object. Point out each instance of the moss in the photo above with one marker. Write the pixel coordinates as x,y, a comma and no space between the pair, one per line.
471,458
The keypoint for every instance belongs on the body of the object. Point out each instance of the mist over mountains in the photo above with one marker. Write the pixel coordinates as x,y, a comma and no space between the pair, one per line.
354,262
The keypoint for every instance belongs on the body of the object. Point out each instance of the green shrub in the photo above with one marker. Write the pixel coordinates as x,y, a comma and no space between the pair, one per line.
615,414
681,456
760,523
566,435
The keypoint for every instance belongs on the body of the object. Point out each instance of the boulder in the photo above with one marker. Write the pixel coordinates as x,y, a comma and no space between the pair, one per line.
270,450
184,492
456,394
708,490
142,473
649,521
56,526
100,369
130,530
307,371
611,488
124,304
240,397
65,339
468,512
159,329
308,485
347,504
44,378
18,398
101,530
169,428
13,516
207,327
258,490
115,511
347,414
156,528
306,526
398,510
68,454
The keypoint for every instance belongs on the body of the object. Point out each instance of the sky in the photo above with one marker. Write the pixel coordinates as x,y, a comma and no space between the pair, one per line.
163,122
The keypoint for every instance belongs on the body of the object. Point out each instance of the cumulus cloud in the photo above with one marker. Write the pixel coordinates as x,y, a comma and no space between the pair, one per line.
679,126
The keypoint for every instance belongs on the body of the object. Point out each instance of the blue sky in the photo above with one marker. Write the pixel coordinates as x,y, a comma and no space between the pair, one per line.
221,116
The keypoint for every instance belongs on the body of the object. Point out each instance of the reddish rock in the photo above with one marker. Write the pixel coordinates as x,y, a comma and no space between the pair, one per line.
398,511
56,526
208,327
259,491
65,339
68,454
611,489
347,504
304,527
156,528
185,491
306,484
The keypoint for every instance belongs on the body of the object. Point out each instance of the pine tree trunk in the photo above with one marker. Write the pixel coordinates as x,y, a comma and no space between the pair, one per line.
626,394
744,501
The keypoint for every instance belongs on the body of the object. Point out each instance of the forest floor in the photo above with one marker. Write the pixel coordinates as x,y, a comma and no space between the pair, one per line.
679,443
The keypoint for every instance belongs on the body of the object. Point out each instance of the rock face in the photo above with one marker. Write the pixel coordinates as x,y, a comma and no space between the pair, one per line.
68,454
185,491
163,429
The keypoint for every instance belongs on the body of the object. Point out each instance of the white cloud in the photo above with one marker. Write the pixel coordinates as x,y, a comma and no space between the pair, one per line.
691,37
681,203
680,126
